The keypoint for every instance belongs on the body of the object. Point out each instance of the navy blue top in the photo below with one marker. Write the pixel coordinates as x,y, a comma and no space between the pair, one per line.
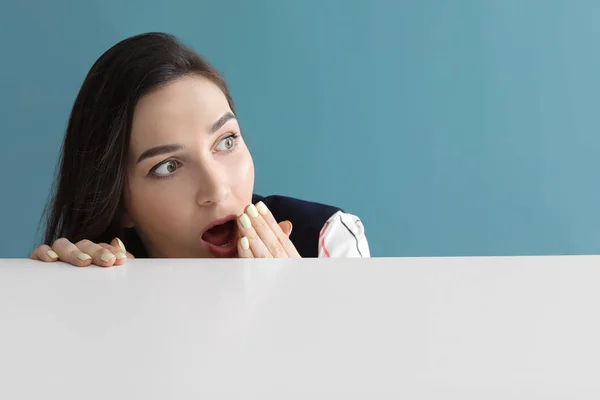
307,220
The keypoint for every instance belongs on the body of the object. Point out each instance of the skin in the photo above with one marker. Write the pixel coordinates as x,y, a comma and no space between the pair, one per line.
214,174
202,172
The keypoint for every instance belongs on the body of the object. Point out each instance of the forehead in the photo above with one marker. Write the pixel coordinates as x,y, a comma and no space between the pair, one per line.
171,114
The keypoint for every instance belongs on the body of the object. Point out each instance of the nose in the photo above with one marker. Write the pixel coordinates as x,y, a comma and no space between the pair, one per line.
213,188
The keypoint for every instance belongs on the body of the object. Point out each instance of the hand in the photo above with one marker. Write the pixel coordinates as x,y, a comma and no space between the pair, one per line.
262,237
83,253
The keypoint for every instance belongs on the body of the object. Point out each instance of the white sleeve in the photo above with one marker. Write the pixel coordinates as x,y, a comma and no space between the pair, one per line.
343,235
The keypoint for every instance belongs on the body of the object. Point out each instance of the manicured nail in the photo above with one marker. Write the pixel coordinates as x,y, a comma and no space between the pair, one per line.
52,254
245,244
121,245
120,256
83,256
245,221
106,256
252,211
262,209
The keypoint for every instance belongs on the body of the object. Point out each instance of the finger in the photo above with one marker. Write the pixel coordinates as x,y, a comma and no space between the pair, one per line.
116,242
286,227
258,248
119,255
265,232
100,256
70,253
44,253
285,241
244,248
115,250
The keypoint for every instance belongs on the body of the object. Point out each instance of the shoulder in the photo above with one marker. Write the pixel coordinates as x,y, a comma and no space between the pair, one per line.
312,213
319,230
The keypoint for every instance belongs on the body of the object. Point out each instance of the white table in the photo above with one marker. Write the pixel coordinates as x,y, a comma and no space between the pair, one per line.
462,328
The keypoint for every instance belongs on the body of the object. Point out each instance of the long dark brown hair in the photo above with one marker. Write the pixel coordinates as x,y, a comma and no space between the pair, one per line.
87,199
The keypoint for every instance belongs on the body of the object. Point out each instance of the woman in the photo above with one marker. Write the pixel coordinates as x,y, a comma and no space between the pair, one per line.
153,159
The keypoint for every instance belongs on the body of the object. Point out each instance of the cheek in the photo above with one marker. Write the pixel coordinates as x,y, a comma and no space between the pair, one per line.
146,206
241,171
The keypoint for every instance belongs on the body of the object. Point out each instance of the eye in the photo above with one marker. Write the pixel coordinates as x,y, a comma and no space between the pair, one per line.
165,168
227,143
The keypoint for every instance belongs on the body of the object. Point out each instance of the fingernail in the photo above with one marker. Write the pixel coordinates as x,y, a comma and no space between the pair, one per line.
262,209
52,254
105,256
83,256
121,245
120,256
245,244
252,211
290,225
245,221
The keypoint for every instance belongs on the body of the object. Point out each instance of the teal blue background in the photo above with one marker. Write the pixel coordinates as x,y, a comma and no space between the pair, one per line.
464,127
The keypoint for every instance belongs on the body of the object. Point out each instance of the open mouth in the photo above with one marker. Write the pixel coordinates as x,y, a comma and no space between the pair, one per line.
221,235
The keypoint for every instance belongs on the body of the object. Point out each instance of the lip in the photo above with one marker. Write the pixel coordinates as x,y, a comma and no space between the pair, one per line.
218,222
229,251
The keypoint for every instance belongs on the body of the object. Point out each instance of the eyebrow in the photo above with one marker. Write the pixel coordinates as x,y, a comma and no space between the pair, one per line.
170,148
221,121
159,150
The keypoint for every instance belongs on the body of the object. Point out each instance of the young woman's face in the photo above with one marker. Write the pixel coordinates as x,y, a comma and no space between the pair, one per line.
188,170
